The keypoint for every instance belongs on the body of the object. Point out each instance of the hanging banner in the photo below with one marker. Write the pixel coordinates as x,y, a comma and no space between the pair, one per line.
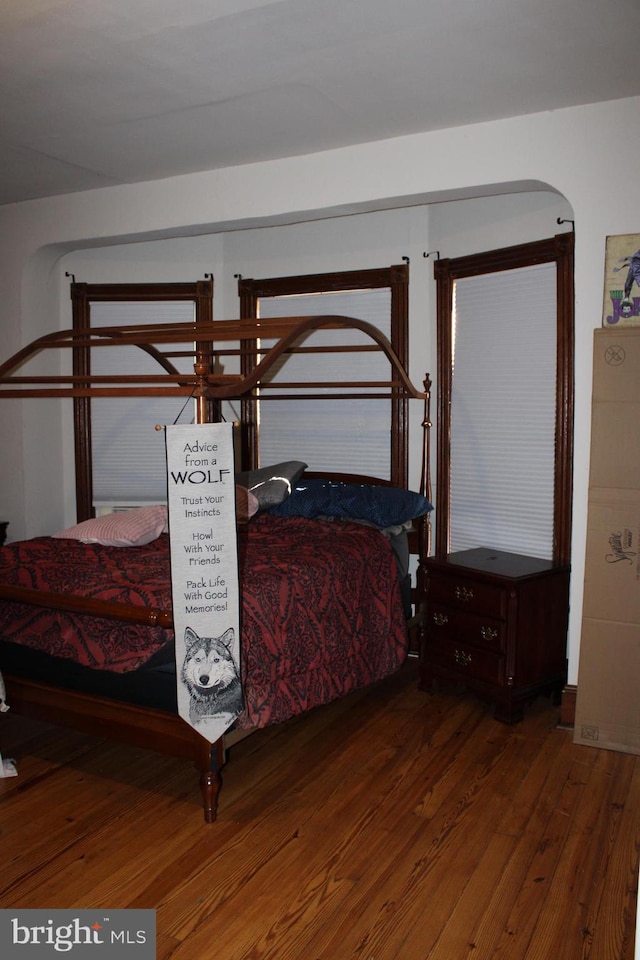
204,575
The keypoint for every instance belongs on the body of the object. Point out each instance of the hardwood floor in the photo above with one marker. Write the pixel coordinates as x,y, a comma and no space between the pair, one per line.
390,825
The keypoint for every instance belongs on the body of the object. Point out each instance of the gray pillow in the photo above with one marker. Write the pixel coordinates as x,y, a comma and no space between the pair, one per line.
272,485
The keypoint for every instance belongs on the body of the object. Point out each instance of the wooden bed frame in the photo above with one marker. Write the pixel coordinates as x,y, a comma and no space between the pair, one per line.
142,726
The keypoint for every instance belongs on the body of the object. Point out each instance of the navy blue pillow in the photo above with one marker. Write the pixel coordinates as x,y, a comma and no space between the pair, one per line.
382,506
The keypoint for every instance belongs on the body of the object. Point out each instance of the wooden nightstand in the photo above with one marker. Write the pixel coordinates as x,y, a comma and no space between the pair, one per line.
496,622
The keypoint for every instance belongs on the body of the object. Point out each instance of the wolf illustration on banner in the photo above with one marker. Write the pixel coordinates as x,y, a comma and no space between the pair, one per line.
211,676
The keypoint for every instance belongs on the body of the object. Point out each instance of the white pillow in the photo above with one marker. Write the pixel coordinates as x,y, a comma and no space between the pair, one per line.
129,528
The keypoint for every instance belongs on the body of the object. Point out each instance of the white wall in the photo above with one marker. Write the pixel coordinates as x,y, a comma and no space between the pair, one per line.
585,154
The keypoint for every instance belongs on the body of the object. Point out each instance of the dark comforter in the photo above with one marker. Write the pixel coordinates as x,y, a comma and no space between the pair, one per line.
321,609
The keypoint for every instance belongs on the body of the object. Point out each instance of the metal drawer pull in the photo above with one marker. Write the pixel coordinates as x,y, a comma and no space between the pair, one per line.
440,619
488,633
464,659
464,593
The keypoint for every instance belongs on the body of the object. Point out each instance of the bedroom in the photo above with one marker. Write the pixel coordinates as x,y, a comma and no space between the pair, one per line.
390,235
538,167
516,214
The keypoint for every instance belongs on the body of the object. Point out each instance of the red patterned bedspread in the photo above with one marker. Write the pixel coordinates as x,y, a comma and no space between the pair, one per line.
321,608
132,575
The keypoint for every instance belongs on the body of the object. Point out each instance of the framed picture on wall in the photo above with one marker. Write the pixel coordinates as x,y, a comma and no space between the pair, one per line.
621,306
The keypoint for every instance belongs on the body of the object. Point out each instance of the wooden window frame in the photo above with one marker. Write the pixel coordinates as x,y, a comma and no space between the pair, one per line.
558,249
396,279
82,296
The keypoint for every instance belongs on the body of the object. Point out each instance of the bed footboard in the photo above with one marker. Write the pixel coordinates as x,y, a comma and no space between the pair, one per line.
150,729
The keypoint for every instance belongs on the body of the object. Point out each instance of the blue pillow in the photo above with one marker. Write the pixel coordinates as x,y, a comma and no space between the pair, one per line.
382,506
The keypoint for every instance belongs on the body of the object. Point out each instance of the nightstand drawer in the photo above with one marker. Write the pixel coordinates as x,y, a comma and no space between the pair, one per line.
469,595
467,661
456,625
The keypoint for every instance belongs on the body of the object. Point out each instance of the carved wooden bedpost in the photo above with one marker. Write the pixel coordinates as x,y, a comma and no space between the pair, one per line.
424,530
201,368
210,764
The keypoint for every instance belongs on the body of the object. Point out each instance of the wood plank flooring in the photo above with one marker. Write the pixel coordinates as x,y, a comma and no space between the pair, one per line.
392,824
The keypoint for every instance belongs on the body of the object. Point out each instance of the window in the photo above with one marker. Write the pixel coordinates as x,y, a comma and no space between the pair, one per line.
120,457
503,392
505,400
351,436
128,453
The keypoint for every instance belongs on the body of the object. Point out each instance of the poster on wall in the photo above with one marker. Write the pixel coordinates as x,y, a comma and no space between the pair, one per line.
204,575
622,281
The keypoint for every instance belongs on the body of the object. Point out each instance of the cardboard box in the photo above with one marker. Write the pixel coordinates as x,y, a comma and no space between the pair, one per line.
608,704
616,366
612,570
615,423
615,447
608,696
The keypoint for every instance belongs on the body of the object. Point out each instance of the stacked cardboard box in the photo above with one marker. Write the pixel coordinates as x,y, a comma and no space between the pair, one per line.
608,697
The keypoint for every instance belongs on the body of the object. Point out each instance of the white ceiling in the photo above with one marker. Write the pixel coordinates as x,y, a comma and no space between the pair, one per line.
102,92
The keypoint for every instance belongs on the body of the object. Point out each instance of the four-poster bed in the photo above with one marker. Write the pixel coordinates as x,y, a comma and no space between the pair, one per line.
322,611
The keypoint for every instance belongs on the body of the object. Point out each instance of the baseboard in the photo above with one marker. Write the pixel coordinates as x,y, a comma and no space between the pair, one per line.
568,705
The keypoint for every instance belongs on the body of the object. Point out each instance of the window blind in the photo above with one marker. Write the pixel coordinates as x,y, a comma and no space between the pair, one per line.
503,411
129,462
352,436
